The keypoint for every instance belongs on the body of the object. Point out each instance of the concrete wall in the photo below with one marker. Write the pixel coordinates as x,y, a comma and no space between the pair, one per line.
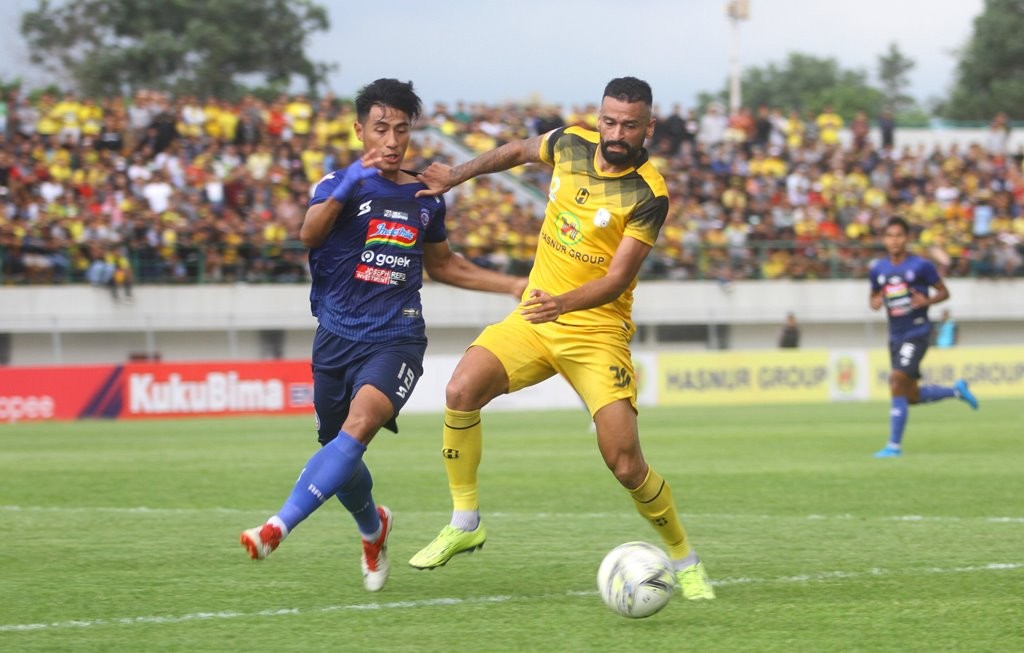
79,324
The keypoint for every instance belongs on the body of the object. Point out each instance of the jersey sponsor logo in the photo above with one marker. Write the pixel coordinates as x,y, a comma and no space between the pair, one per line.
396,215
364,208
379,259
582,195
379,275
583,257
382,232
567,226
897,297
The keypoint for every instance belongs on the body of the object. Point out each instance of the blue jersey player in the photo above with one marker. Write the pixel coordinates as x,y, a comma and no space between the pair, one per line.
370,241
903,284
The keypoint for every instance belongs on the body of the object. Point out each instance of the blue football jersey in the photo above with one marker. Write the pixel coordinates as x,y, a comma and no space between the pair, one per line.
368,273
895,283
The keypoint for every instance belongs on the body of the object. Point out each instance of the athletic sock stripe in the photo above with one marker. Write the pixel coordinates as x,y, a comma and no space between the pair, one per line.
461,428
656,494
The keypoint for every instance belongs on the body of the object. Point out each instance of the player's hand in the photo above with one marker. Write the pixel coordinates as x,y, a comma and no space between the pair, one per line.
437,178
540,307
876,302
362,169
918,299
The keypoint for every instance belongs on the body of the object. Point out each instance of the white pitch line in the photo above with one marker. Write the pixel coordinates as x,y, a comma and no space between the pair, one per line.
143,510
476,600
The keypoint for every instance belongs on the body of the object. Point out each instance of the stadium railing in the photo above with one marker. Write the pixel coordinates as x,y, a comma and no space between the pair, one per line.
286,263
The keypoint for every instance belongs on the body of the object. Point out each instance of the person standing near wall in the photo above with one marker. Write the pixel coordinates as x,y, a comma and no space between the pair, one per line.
789,336
947,331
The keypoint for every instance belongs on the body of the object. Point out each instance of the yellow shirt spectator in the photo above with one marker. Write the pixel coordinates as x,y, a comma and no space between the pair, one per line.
48,125
65,112
228,120
211,111
313,163
794,129
829,123
875,197
300,115
91,117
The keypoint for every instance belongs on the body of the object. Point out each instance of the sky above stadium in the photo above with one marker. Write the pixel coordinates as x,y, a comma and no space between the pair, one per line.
564,51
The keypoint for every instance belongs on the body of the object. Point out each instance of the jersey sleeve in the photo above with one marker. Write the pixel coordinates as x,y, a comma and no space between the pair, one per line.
929,272
323,188
436,231
646,221
547,145
873,277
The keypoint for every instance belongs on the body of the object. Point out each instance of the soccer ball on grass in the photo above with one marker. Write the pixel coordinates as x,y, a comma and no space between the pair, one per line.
636,579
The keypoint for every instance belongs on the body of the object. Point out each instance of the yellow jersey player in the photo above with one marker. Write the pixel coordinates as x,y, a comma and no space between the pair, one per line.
606,205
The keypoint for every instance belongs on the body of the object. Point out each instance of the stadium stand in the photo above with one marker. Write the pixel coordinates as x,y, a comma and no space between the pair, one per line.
158,189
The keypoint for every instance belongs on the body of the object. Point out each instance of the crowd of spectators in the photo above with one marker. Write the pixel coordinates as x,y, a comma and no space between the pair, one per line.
155,188
773,194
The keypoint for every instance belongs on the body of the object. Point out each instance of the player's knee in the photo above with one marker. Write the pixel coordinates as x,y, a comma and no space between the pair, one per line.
459,395
628,471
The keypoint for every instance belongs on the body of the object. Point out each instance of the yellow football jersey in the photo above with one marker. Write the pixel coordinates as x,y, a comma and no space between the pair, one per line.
588,214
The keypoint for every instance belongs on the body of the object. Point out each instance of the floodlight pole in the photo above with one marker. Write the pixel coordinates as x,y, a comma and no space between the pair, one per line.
736,10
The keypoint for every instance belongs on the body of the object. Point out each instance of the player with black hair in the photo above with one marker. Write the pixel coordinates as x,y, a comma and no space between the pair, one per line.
903,282
370,239
606,205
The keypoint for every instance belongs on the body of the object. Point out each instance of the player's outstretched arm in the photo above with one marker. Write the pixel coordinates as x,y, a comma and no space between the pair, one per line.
444,265
440,178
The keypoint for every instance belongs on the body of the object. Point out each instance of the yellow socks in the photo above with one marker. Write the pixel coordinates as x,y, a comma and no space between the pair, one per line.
653,500
462,450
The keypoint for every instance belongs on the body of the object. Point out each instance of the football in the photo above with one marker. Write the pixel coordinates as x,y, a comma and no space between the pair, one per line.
636,579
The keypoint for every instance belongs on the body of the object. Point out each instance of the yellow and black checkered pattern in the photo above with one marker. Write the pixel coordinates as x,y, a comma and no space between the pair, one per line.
588,214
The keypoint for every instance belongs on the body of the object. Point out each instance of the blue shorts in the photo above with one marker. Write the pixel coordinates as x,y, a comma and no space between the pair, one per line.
906,355
341,367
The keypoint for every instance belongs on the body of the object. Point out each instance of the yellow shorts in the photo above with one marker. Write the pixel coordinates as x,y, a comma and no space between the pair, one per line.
595,360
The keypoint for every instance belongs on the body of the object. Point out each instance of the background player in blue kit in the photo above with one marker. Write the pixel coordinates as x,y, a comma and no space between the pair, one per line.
370,240
902,282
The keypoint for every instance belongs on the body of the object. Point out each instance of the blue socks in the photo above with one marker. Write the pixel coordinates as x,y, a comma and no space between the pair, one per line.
337,467
929,393
357,498
899,412
897,419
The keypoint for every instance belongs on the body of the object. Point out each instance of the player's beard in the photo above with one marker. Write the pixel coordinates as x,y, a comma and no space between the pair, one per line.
619,158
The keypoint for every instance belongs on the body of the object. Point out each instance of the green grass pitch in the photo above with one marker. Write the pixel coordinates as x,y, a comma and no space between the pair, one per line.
123,536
